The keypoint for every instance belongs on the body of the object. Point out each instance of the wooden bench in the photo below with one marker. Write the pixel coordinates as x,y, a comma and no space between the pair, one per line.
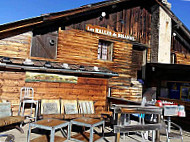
7,119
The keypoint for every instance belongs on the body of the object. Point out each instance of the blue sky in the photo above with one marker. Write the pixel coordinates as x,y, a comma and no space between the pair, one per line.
13,10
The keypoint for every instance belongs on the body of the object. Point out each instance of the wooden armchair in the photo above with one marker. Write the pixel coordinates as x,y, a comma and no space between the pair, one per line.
87,108
50,109
70,109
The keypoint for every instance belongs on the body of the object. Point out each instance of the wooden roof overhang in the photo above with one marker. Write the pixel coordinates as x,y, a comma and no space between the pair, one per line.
64,18
156,72
18,65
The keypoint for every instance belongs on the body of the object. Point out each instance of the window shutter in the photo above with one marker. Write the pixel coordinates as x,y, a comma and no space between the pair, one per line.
45,45
110,51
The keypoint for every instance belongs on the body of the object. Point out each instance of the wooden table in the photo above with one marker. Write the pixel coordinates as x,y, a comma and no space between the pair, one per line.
136,109
87,122
49,124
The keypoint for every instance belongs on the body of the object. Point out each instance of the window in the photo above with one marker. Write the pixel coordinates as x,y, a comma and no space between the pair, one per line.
105,49
44,45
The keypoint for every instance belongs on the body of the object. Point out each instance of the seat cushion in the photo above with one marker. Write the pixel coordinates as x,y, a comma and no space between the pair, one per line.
11,120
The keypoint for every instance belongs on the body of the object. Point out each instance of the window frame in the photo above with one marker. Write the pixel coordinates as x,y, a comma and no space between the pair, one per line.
109,49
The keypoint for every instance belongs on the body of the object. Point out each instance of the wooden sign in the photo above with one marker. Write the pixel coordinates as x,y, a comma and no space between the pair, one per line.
104,31
45,77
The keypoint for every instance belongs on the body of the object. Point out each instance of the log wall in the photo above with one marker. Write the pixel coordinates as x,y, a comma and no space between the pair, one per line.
86,89
16,46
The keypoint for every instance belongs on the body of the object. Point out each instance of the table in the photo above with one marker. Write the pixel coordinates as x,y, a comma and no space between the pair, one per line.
88,122
132,109
49,124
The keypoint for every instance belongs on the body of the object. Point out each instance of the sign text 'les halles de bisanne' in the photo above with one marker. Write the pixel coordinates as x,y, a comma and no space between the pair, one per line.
103,31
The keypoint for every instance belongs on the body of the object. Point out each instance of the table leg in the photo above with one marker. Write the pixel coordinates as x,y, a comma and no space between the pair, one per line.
29,131
169,126
91,134
117,138
52,135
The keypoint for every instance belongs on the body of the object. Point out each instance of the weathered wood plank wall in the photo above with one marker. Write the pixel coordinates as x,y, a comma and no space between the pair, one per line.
16,46
134,21
86,89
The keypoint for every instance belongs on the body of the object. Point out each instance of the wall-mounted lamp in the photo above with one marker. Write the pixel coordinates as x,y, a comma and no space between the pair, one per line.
153,69
174,34
103,14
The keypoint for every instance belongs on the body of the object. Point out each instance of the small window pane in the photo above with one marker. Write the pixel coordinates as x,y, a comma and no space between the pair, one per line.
105,50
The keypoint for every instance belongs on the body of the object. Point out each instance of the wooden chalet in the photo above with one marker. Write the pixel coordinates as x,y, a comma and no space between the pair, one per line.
104,46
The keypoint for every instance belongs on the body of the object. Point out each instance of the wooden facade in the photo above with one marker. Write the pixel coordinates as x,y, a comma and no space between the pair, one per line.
74,44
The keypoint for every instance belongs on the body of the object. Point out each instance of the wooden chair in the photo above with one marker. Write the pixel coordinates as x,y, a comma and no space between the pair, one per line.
87,108
50,109
70,109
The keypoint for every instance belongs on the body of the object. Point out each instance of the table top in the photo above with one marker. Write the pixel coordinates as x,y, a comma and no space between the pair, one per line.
50,122
87,120
137,109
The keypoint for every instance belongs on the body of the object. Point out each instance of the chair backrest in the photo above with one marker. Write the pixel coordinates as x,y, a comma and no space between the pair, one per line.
26,93
5,109
69,106
86,107
50,106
